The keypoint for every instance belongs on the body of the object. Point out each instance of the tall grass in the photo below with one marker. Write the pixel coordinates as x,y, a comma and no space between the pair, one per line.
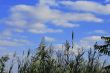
45,61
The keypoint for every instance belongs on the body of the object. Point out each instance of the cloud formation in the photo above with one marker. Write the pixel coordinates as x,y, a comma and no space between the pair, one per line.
88,42
49,39
88,6
35,19
47,17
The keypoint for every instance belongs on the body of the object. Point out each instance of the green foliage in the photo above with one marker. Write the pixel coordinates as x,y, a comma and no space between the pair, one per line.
46,60
105,48
2,63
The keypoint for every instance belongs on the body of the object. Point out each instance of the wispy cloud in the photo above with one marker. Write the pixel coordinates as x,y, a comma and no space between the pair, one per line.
50,39
8,39
15,42
88,42
107,1
100,31
35,18
88,6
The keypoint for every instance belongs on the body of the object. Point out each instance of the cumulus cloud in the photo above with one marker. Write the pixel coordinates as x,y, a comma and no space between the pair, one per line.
41,28
35,19
32,18
88,6
88,42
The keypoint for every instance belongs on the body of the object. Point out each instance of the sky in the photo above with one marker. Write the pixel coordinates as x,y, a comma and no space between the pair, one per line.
23,23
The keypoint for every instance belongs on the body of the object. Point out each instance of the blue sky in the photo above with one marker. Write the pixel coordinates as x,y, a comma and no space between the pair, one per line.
24,22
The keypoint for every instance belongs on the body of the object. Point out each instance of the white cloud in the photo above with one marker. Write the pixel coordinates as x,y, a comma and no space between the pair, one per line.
100,31
6,32
41,28
3,51
31,18
88,17
88,42
14,42
89,6
9,39
107,1
48,2
92,38
35,19
49,39
64,23
8,43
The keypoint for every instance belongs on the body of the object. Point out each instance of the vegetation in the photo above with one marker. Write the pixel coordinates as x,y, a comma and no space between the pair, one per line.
104,49
46,60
